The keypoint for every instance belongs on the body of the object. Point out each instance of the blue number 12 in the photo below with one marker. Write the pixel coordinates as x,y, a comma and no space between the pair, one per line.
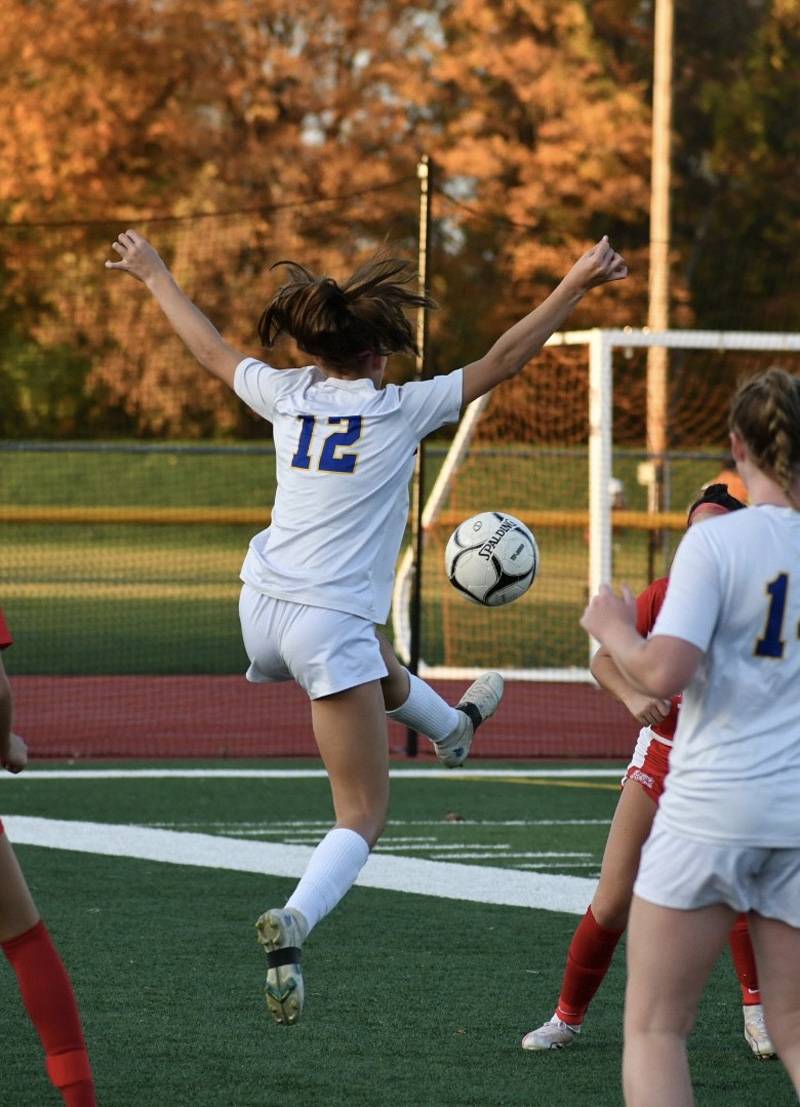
329,460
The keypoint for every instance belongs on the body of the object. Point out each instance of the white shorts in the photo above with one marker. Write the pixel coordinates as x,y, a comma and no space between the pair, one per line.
686,874
324,651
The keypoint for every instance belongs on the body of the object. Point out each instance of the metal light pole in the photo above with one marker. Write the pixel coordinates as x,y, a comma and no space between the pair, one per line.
658,307
425,175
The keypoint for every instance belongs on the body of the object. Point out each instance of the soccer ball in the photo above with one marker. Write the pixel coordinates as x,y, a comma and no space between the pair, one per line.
492,558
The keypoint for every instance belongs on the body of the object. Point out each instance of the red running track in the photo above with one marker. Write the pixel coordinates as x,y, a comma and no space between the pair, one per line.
224,716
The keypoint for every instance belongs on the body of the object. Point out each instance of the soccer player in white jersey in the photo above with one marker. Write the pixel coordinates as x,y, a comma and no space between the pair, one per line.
319,579
726,837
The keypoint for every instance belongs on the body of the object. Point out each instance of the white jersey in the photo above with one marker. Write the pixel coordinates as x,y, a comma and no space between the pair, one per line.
344,454
734,592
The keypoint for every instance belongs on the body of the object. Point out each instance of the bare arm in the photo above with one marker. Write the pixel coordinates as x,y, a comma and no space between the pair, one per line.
524,340
646,709
200,335
661,666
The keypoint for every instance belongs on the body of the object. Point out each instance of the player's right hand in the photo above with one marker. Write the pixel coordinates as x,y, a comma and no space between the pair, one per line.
16,757
646,709
599,265
137,257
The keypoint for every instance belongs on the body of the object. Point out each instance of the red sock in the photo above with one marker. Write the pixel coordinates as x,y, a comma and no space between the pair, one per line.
744,961
50,1001
588,958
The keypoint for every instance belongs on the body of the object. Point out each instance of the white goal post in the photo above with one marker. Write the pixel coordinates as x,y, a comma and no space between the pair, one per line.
601,344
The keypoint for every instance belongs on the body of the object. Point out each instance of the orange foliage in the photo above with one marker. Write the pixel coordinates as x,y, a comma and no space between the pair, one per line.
122,108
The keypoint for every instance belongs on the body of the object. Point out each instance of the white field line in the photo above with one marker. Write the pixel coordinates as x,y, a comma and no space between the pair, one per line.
478,853
445,880
292,826
434,843
561,866
306,774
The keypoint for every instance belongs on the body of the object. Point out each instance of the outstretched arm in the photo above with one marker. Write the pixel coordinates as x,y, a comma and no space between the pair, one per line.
520,343
200,335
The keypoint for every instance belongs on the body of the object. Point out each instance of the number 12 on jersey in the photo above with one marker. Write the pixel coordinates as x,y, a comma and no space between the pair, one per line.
329,460
771,643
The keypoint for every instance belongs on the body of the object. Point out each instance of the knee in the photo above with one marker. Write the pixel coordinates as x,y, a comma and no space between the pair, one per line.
611,910
395,689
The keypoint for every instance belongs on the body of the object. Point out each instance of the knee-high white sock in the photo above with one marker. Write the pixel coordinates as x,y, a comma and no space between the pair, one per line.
332,870
426,711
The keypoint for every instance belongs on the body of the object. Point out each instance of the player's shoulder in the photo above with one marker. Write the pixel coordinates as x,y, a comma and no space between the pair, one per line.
726,534
443,389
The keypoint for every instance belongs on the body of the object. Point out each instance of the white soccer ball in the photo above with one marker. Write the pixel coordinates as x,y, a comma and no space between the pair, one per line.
492,558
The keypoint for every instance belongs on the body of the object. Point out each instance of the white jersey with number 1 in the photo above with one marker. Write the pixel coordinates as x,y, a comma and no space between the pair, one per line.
734,592
344,455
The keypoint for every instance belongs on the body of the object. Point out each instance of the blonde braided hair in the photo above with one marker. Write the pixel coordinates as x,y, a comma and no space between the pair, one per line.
765,413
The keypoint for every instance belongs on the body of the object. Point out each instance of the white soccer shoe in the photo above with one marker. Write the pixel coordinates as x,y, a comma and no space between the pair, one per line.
479,703
756,1034
281,932
554,1034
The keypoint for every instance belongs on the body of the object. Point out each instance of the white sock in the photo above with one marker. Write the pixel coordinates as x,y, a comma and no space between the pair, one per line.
426,711
332,870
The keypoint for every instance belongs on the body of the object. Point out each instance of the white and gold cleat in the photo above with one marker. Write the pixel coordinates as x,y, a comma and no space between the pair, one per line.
282,931
479,703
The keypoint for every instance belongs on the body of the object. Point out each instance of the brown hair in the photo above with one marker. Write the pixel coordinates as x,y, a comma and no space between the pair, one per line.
765,412
340,323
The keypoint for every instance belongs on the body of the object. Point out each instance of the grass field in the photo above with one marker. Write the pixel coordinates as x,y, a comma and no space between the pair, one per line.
162,599
414,998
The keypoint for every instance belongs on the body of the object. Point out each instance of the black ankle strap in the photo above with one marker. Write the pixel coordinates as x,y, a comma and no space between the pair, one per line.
471,711
290,955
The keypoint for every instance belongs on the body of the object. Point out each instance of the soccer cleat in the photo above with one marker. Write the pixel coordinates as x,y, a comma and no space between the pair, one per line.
479,703
554,1034
281,932
755,1032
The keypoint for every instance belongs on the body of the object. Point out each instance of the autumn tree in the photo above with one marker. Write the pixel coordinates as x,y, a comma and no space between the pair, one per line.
536,111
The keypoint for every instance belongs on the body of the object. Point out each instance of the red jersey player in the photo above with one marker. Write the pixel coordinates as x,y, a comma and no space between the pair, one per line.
43,981
593,944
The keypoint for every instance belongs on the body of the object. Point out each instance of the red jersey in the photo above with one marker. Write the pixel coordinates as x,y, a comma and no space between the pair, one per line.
648,605
5,633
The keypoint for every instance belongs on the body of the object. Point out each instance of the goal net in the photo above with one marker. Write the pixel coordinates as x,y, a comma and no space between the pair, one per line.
564,448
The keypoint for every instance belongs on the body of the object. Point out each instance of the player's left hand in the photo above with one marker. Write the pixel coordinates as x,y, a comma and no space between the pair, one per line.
606,609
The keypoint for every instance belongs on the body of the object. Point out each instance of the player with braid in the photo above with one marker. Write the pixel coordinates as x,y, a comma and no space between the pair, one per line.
43,982
599,931
726,837
319,579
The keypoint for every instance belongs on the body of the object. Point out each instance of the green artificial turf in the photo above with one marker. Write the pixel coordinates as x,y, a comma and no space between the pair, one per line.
411,999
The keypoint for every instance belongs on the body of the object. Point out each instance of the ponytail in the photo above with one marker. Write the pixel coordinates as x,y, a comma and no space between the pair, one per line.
343,323
765,413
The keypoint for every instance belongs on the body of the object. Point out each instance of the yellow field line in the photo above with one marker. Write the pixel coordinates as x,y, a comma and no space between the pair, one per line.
151,516
260,517
134,591
488,778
